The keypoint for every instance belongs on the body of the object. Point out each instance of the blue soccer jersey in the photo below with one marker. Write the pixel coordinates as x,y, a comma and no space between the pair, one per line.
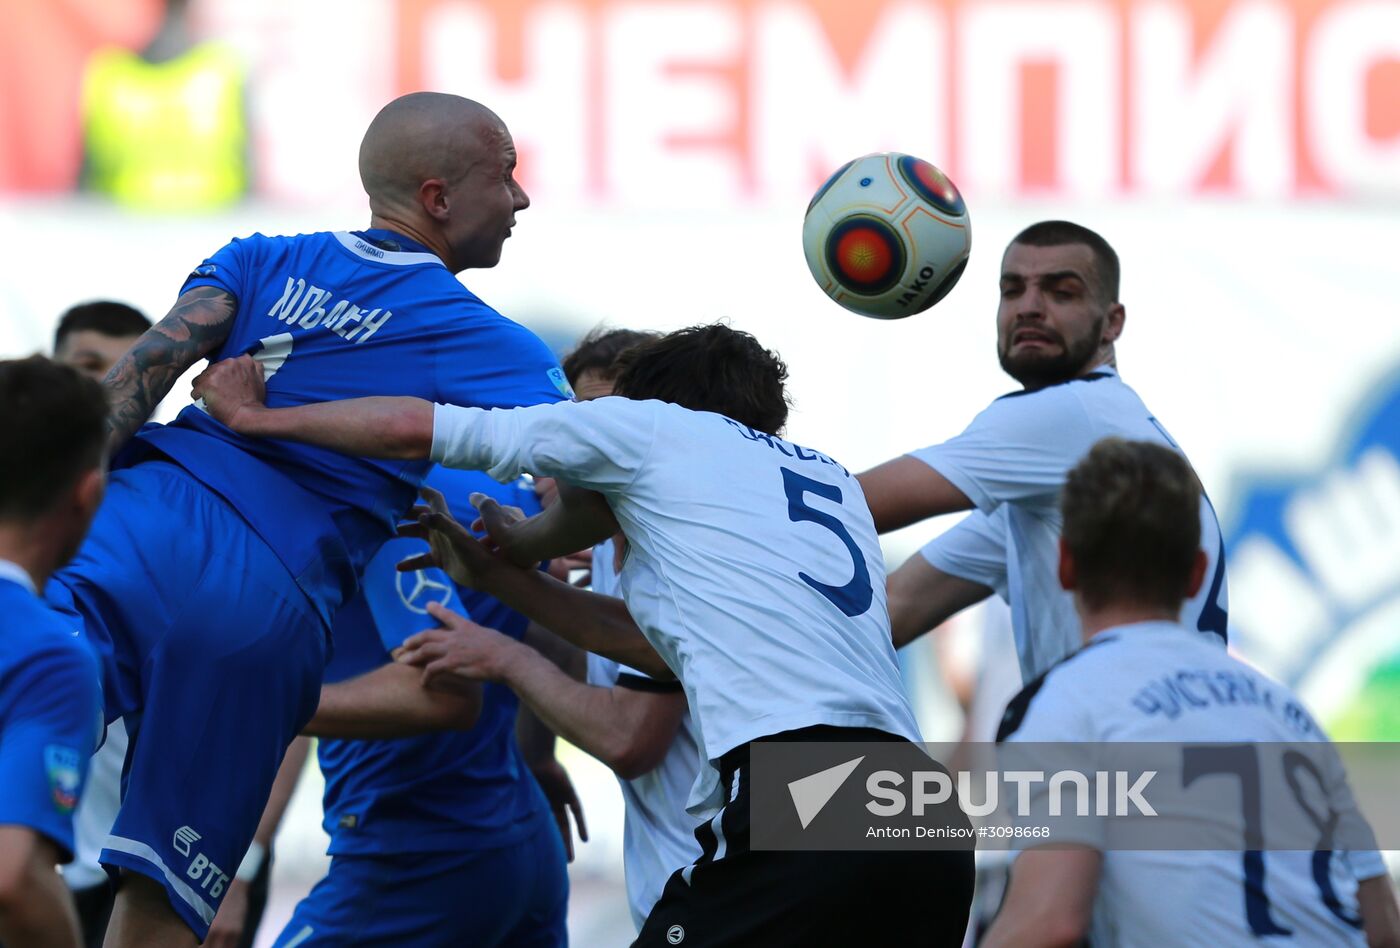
49,712
216,563
333,316
455,790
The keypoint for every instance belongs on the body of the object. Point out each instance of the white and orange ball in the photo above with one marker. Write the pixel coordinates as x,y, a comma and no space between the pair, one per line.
887,235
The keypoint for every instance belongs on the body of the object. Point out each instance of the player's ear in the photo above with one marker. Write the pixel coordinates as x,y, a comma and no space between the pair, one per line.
87,493
1069,575
1113,323
432,194
1198,574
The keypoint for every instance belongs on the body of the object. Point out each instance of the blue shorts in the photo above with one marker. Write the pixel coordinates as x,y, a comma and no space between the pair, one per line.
516,896
213,656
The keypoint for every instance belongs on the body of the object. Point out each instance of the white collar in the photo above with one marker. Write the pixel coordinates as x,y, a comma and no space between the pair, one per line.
17,574
1157,625
399,258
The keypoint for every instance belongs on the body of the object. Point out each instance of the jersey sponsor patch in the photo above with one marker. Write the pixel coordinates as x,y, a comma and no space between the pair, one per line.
64,768
420,588
205,270
561,382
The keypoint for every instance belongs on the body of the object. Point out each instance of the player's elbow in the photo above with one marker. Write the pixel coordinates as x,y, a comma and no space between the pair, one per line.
408,434
1064,929
1382,939
635,756
457,710
904,620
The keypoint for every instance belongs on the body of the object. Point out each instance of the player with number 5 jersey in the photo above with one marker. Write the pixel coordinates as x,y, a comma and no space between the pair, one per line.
211,575
752,573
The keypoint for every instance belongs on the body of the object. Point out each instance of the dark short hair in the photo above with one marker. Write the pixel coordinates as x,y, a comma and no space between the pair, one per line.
53,423
108,317
709,368
597,351
1132,523
1059,233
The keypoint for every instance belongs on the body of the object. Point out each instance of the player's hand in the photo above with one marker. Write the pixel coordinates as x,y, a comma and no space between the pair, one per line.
502,526
230,389
461,649
227,929
452,547
559,791
547,490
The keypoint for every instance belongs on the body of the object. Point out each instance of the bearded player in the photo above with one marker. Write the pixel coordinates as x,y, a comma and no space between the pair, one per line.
1058,324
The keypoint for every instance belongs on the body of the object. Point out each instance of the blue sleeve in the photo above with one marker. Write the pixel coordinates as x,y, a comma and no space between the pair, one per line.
47,740
227,268
399,601
498,364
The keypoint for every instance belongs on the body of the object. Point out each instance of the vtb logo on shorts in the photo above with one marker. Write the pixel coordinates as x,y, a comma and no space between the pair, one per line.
184,836
209,876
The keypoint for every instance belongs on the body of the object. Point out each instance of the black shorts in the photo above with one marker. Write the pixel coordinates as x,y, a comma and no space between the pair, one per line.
732,895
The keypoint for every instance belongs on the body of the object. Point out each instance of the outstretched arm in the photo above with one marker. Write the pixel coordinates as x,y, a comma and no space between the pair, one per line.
196,325
378,427
906,490
921,597
1050,899
592,622
579,520
389,427
629,730
392,702
1379,912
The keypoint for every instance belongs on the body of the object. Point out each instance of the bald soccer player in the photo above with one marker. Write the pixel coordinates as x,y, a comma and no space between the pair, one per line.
211,575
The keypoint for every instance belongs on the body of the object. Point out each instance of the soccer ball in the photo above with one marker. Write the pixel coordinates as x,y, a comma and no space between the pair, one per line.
887,235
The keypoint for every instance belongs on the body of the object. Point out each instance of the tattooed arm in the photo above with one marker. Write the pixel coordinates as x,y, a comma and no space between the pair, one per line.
196,325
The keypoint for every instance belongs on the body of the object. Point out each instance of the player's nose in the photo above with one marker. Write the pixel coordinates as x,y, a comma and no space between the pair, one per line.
1031,305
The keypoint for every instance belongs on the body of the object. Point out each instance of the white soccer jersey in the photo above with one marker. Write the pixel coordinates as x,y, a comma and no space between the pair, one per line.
1014,456
658,835
1120,688
752,565
974,549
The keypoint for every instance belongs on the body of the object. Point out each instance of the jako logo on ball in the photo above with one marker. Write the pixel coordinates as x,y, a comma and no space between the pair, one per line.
887,235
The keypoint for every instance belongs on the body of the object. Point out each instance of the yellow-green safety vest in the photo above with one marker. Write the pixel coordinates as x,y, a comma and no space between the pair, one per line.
168,136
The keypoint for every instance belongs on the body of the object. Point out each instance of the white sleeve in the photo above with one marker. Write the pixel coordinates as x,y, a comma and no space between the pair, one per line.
1366,864
1018,448
974,549
1355,836
1050,711
604,579
1056,733
600,444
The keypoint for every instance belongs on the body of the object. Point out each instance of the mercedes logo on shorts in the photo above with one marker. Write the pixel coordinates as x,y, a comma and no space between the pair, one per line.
417,589
675,934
